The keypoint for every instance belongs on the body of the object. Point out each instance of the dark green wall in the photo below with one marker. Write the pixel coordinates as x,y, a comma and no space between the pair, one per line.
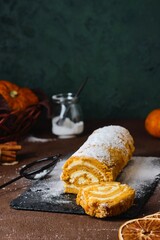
55,44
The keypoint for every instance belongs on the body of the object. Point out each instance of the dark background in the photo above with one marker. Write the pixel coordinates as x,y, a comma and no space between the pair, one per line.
55,44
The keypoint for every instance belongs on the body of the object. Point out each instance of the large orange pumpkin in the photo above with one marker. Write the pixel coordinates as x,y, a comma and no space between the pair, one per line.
152,123
17,98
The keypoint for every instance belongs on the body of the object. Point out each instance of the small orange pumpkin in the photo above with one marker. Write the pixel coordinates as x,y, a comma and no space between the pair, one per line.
152,123
17,98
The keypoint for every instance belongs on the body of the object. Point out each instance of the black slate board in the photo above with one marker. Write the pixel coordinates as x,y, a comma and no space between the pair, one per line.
142,173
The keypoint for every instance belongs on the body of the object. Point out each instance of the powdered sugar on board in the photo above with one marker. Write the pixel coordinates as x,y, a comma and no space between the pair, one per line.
141,168
52,186
141,173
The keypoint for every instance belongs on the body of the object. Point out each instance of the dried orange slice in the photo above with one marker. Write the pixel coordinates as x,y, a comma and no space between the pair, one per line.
154,215
140,229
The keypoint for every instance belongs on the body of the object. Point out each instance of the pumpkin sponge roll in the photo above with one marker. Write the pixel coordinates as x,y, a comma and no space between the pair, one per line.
100,159
105,199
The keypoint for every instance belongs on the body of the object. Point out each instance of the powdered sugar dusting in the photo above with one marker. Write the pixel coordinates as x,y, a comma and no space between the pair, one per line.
141,168
112,135
52,186
140,173
41,174
102,140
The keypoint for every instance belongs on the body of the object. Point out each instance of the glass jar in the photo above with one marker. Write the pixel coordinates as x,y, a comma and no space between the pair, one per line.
67,117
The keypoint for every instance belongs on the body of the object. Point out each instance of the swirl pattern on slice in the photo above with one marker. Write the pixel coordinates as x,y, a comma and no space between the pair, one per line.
100,159
105,199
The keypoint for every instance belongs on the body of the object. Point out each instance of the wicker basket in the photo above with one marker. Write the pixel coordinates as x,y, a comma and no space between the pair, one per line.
14,125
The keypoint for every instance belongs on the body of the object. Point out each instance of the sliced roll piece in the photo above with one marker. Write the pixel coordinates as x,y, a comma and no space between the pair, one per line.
105,199
100,159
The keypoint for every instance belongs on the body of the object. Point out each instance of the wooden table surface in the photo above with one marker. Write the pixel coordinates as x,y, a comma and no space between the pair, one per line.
21,224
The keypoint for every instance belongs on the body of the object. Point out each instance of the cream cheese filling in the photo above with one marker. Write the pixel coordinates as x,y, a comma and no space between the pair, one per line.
107,198
80,173
83,163
80,162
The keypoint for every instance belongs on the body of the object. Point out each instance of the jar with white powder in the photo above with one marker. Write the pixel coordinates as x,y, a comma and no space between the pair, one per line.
66,105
